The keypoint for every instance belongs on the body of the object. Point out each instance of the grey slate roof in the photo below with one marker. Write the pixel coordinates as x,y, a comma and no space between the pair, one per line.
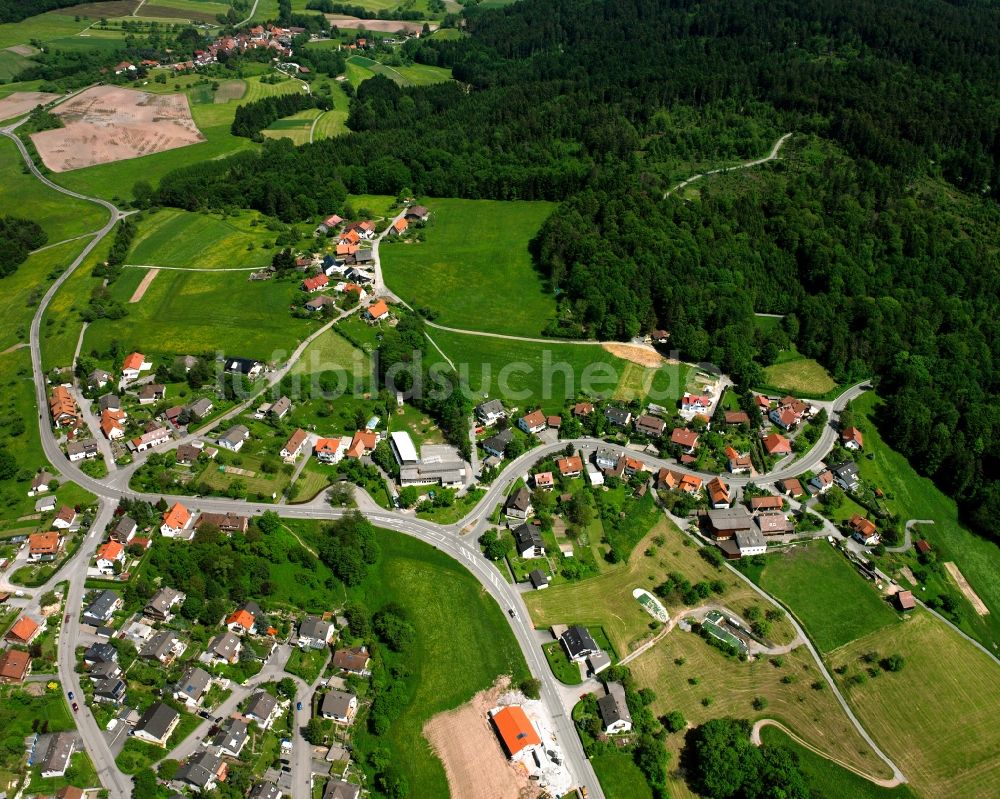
613,706
157,720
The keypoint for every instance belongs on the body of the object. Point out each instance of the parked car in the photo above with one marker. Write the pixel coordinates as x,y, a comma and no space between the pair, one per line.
70,695
298,706
76,707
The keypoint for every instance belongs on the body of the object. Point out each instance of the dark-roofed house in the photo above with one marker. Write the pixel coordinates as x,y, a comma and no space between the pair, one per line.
110,690
125,530
315,633
262,709
354,660
614,711
202,771
750,542
417,212
846,475
100,653
498,443
157,724
528,541
161,604
490,411
82,450
539,579
60,750
224,648
231,737
619,417
518,505
264,790
341,706
338,789
192,687
102,608
280,408
234,438
578,643
164,646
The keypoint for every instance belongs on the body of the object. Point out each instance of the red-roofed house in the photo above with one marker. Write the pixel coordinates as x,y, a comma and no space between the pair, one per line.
363,443
864,529
44,546
134,364
24,631
294,444
718,493
517,734
108,555
376,311
852,439
15,665
571,466
738,463
311,284
240,621
534,422
544,481
777,444
176,521
399,226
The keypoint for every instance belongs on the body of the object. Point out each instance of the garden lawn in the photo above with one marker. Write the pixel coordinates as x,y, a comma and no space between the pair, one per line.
172,237
307,664
606,601
565,670
474,268
529,374
826,778
195,312
937,717
620,777
911,496
833,602
80,774
463,644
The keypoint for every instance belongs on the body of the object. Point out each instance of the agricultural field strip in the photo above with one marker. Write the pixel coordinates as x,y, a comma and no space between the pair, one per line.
193,268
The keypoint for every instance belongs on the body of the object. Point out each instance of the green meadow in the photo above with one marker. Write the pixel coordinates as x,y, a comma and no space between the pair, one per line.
529,374
171,237
474,268
196,312
833,602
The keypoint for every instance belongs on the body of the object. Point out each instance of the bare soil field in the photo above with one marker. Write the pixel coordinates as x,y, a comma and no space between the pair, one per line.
18,103
140,290
473,761
966,589
644,356
380,25
108,123
25,50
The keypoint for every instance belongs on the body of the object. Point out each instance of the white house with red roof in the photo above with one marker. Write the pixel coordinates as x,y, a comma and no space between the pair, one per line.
134,364
108,555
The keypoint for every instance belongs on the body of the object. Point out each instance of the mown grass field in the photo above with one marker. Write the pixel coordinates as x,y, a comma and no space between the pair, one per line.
61,217
44,27
529,374
21,292
453,617
937,717
606,600
826,778
911,496
834,603
195,312
11,64
474,268
404,75
172,237
799,375
296,127
684,671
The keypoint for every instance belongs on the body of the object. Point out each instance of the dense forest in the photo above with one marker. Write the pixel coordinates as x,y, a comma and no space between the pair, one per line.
18,237
875,234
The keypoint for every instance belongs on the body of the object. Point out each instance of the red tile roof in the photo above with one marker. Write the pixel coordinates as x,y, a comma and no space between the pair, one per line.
515,729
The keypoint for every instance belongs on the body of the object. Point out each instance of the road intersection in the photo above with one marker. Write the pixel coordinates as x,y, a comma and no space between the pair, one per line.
459,540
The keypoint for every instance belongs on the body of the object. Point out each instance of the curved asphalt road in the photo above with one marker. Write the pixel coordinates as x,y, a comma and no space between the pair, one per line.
447,538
